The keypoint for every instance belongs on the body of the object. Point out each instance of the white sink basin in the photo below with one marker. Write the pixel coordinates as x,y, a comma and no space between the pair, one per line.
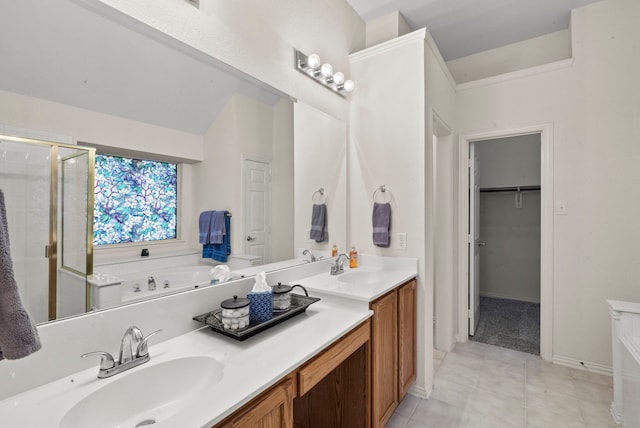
362,278
145,396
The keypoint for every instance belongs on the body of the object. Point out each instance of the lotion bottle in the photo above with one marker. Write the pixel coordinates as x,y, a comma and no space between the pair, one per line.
334,250
353,257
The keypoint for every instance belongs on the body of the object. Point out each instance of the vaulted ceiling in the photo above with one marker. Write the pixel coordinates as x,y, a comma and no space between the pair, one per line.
62,52
465,27
59,51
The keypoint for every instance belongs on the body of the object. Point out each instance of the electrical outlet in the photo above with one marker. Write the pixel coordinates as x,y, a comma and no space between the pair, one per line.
402,241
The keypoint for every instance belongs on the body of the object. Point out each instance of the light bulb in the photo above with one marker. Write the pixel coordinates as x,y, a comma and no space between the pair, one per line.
338,78
313,61
326,70
349,85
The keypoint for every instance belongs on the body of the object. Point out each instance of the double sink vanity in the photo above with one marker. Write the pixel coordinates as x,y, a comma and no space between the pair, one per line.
346,361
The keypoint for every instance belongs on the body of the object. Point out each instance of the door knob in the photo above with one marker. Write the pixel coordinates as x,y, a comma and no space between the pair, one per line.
250,238
481,244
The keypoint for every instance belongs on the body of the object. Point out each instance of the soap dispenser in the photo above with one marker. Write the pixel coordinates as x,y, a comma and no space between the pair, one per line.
334,250
353,257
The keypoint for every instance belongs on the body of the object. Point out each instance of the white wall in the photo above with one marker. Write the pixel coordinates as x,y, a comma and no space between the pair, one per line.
283,204
385,28
98,128
259,40
594,111
510,260
320,153
245,127
387,147
441,246
509,161
516,56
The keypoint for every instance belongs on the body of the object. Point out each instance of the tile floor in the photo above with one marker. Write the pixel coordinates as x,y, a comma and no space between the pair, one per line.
479,385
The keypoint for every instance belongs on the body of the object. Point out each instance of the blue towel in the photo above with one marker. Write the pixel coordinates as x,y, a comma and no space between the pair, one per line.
318,222
220,251
204,225
381,220
217,227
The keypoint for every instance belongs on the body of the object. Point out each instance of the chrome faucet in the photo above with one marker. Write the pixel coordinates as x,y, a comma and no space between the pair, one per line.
133,352
151,283
308,252
338,267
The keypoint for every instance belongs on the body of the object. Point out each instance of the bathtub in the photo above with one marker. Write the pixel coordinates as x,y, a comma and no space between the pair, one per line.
135,286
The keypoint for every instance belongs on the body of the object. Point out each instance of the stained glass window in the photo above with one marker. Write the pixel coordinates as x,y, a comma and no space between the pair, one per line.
135,200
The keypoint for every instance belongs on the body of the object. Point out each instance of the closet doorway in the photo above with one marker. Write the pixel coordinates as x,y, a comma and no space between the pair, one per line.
504,283
504,221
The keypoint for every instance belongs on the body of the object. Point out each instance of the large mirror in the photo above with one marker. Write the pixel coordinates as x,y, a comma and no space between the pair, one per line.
71,75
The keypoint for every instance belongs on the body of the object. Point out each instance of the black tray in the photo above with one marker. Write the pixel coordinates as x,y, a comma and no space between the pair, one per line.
298,305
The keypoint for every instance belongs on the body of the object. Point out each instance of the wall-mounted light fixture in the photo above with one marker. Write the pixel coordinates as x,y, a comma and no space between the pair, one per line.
323,73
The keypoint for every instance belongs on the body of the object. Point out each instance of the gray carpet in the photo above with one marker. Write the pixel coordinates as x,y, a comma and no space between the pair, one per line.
509,324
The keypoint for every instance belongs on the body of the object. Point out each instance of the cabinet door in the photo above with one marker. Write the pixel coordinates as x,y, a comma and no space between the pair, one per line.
384,377
274,409
406,337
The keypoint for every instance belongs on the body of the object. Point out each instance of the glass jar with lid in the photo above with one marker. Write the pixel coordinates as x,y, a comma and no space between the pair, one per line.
235,313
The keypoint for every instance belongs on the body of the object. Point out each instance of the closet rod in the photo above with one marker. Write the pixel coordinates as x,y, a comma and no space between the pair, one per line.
509,188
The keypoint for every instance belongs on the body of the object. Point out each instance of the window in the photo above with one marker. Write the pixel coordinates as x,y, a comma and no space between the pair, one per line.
135,200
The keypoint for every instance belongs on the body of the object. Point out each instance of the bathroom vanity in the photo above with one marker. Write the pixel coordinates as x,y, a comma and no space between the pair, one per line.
346,361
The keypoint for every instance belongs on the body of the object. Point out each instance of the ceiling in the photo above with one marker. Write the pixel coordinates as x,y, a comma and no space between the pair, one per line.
59,51
466,27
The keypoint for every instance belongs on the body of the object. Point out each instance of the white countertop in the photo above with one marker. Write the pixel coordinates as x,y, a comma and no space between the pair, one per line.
365,283
250,367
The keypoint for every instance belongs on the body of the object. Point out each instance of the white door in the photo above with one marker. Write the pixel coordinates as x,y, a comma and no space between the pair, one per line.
474,240
257,209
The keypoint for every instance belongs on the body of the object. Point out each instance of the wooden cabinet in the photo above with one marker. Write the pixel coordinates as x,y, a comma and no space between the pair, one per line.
384,349
407,324
273,409
331,390
393,349
334,388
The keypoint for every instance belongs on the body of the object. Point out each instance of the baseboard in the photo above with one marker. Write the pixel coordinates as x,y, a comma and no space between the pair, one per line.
617,418
498,296
583,365
419,391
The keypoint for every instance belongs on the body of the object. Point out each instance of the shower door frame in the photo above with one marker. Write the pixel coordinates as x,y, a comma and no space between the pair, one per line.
51,252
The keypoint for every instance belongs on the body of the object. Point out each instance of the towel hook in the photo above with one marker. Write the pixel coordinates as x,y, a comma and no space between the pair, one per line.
382,189
319,191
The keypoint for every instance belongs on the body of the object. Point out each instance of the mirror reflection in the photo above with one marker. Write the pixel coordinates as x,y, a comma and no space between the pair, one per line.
132,93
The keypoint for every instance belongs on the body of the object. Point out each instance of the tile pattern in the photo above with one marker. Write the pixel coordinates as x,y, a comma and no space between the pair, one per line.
480,385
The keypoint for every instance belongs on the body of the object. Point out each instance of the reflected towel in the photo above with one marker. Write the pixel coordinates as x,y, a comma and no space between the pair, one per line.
18,334
381,220
318,222
204,226
220,252
217,228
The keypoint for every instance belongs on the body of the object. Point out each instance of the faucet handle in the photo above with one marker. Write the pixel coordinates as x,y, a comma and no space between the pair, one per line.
142,347
106,362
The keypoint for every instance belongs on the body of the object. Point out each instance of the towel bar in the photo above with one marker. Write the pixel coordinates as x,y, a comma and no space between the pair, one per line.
321,192
382,189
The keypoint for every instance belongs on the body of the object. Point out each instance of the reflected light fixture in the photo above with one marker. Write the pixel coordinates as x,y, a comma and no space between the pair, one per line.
323,74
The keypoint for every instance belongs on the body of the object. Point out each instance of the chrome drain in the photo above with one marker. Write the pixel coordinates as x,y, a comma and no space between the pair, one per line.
145,423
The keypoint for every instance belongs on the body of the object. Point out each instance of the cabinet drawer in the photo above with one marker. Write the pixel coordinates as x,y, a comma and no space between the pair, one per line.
314,371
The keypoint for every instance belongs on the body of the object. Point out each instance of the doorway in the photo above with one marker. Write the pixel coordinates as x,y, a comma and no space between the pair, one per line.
468,243
504,257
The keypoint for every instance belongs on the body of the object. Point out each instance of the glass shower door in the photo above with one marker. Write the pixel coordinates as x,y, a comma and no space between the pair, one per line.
25,179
